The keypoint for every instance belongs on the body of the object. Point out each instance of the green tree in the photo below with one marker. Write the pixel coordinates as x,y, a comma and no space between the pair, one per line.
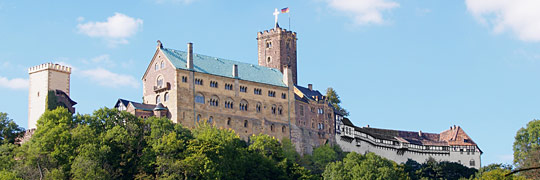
9,130
527,148
333,98
51,149
369,166
321,156
496,172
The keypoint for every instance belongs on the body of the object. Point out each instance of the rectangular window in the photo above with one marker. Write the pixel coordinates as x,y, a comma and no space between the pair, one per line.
243,89
301,110
199,99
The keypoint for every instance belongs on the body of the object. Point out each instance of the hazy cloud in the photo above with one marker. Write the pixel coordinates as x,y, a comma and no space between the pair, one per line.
364,11
115,30
517,16
15,84
110,79
175,1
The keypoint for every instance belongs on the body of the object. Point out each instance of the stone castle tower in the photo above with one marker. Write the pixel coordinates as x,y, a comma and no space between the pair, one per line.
43,78
277,48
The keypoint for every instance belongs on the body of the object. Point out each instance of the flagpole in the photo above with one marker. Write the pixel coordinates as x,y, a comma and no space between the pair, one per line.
289,13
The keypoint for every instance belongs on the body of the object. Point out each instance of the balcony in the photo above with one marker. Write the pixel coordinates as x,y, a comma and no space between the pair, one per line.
162,88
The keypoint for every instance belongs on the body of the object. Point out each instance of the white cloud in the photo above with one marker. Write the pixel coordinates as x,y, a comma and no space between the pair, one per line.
364,11
80,19
115,30
104,59
109,79
517,16
15,84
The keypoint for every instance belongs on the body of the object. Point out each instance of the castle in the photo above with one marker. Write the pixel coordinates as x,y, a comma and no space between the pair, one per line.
191,88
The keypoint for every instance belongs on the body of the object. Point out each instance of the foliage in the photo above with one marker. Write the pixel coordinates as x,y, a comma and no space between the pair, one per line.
431,169
333,98
496,172
527,148
9,130
369,166
111,144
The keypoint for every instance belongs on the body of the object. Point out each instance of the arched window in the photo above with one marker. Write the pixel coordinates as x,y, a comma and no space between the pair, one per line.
243,105
272,127
156,67
159,81
162,65
229,103
268,60
273,109
214,101
198,118
210,120
245,123
280,110
258,107
228,121
199,98
283,128
166,97
158,99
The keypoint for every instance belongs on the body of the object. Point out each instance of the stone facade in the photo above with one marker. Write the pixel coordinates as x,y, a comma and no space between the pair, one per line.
277,49
231,108
314,123
43,78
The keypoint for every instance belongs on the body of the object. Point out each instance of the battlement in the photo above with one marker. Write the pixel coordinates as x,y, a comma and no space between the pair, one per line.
49,66
276,30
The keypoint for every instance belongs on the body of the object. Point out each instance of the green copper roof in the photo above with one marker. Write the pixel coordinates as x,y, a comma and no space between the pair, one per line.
224,67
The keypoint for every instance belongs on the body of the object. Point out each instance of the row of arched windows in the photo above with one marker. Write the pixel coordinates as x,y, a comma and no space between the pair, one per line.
246,123
229,104
159,66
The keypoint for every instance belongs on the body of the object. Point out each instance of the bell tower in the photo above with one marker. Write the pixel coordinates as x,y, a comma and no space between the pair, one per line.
277,48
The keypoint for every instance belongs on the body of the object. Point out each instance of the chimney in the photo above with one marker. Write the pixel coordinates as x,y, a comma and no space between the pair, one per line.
287,75
235,71
367,126
310,87
190,56
420,133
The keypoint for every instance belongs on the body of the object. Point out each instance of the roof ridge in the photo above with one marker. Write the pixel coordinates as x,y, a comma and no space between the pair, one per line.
213,57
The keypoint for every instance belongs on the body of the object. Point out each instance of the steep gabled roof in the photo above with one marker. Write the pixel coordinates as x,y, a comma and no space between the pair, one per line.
347,122
136,105
309,93
223,67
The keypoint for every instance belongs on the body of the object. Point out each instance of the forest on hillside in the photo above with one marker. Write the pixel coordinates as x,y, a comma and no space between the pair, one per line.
112,144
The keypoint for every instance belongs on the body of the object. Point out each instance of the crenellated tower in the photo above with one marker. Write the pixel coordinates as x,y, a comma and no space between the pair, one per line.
43,78
277,49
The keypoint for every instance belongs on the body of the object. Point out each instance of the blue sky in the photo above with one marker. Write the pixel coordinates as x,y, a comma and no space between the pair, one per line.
407,65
